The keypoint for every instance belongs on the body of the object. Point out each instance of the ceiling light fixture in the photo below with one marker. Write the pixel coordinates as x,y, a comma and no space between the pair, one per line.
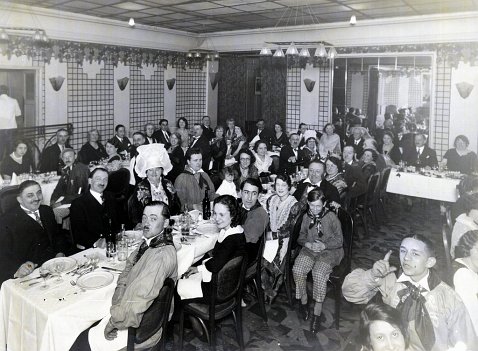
279,53
304,52
353,20
292,50
36,34
131,22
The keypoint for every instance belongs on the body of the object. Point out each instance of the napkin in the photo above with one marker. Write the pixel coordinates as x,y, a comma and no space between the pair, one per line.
270,250
14,180
190,288
97,340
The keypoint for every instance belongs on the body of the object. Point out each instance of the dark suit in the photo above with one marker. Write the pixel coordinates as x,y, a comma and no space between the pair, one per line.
357,147
284,164
71,184
265,135
218,152
208,132
427,158
178,160
355,179
203,144
50,159
159,136
123,145
89,218
22,239
330,192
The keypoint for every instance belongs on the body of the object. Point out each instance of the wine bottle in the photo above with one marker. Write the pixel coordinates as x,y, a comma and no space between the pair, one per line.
206,206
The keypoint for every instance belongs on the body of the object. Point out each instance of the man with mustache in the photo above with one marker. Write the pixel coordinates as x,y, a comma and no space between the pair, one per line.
92,212
29,234
433,313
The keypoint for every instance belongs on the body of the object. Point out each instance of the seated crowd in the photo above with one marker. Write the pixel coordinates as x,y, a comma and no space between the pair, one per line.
313,174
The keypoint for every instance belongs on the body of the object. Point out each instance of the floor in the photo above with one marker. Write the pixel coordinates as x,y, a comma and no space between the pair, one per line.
285,332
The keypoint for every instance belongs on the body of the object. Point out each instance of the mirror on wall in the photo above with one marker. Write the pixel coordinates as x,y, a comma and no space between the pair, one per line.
382,87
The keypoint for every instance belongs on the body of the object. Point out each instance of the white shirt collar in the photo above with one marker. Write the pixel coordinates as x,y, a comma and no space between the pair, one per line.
223,234
422,282
310,182
148,241
194,172
420,148
120,139
30,212
97,196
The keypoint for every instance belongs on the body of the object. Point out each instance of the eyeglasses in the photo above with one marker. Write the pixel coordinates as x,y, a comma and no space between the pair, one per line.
244,159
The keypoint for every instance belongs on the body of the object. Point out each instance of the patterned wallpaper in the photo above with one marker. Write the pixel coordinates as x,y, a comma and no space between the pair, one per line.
442,107
274,89
293,99
190,94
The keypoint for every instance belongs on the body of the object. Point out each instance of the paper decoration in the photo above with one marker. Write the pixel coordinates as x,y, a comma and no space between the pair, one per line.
57,82
170,83
464,88
309,84
122,83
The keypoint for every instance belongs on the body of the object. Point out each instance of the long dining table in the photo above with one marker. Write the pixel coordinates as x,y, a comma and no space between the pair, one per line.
50,320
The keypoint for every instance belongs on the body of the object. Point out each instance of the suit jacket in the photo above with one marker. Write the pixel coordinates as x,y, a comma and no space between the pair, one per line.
50,159
331,193
355,179
22,239
178,160
284,164
159,136
208,132
358,148
427,158
124,145
203,144
265,135
218,152
71,185
89,218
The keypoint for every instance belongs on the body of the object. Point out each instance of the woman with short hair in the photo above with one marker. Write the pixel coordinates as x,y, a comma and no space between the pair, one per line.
263,160
18,161
460,158
329,142
92,150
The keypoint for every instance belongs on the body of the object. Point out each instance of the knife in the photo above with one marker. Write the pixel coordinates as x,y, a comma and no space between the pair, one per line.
112,269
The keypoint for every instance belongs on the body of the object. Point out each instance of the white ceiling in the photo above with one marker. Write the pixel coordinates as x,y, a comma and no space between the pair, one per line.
226,15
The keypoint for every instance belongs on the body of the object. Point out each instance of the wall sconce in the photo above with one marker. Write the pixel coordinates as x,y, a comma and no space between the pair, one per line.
309,84
464,89
122,83
170,83
57,82
214,78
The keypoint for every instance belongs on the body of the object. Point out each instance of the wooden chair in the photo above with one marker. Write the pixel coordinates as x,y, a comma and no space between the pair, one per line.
366,204
226,294
339,273
382,194
8,198
154,319
254,276
446,237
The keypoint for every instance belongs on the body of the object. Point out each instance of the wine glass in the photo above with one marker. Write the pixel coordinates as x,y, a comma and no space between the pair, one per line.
58,269
44,273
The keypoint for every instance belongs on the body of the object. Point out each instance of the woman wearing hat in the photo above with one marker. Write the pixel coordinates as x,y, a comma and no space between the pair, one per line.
152,164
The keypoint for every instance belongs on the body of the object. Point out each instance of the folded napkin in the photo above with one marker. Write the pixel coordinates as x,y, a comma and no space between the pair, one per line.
270,250
190,288
14,180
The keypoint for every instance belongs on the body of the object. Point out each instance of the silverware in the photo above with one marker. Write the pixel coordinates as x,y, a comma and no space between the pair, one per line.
34,283
112,269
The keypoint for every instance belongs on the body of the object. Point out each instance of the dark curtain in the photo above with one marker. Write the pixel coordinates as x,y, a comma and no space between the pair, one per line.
372,108
232,90
273,90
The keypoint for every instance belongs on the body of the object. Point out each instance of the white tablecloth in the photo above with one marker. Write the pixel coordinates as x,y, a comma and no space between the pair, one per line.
32,319
413,184
46,189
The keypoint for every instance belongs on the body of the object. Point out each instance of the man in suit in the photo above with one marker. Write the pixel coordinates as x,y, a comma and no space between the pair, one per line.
120,140
29,234
162,134
316,180
208,132
138,140
356,140
262,133
291,156
72,183
50,157
353,176
200,141
92,212
421,155
148,134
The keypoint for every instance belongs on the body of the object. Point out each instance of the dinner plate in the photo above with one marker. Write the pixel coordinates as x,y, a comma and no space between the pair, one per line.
95,280
60,264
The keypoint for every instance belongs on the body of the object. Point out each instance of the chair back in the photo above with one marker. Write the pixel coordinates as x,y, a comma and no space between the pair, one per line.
8,198
118,182
384,179
255,266
227,283
156,316
446,237
372,188
348,230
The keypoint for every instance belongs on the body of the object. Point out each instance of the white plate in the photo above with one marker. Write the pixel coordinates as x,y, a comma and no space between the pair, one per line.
95,280
67,264
207,228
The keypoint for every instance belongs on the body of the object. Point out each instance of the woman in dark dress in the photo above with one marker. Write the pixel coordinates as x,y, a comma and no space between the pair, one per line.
112,152
176,155
93,150
279,138
460,159
230,243
17,162
391,152
218,149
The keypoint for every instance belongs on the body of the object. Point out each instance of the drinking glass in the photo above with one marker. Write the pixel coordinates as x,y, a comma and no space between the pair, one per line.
122,249
44,273
58,269
110,250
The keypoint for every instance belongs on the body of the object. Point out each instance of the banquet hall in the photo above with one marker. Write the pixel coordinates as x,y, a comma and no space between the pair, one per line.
133,87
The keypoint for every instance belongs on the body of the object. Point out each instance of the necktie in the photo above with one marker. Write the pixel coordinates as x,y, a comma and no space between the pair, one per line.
413,308
142,249
37,217
166,136
418,153
102,197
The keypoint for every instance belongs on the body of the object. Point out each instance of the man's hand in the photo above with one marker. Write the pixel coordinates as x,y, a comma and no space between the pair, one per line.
292,159
25,269
382,268
191,270
110,332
